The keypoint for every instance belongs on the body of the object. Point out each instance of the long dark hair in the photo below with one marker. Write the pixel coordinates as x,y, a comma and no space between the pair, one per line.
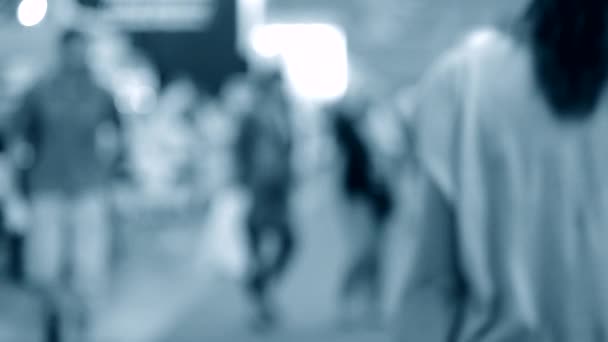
569,41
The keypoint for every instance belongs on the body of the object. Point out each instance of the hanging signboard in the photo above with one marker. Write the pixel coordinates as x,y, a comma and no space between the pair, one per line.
165,15
183,38
192,38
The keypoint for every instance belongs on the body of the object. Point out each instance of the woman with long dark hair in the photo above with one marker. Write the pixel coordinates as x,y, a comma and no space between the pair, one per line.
512,130
368,203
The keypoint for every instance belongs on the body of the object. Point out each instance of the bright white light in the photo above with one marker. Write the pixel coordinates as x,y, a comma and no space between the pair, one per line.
251,14
31,12
136,97
140,98
267,40
481,36
315,57
316,61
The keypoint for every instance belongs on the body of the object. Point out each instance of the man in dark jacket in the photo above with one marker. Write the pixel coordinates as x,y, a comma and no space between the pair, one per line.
72,129
264,152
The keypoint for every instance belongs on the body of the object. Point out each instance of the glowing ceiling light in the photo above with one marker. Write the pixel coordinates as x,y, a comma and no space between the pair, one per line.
267,40
314,56
316,61
31,12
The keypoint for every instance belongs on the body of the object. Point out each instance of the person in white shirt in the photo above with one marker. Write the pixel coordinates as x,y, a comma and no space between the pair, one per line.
512,131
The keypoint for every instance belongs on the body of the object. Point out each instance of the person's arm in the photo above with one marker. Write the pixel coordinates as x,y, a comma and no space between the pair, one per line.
25,135
6,168
433,291
243,149
23,139
112,139
434,288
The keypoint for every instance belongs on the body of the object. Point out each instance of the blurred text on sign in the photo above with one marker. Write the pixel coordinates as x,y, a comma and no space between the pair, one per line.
160,14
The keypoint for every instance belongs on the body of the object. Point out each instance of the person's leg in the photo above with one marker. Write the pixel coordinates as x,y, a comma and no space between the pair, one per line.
11,245
271,267
286,241
372,281
261,270
45,260
353,282
91,256
356,276
15,247
4,244
362,280
256,260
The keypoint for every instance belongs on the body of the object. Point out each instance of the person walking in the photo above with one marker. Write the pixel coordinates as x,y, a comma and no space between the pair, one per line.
368,204
264,152
512,127
72,129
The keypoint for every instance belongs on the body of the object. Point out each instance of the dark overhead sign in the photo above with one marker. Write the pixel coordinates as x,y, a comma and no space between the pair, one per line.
206,52
157,14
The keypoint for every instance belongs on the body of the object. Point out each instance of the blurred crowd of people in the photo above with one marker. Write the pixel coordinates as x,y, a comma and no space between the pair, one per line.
505,135
70,145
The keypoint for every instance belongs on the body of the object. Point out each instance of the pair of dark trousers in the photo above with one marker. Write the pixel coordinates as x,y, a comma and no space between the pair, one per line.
268,222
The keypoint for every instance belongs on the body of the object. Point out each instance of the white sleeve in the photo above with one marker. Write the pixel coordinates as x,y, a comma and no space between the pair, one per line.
438,111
